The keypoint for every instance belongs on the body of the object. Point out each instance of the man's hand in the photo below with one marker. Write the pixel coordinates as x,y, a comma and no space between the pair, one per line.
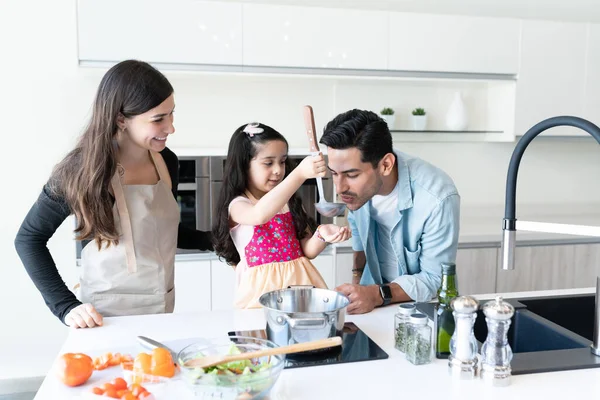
363,299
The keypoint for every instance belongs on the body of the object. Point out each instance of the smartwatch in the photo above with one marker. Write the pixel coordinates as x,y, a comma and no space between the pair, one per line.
386,294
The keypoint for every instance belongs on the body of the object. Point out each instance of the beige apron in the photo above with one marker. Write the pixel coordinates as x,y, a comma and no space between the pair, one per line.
137,275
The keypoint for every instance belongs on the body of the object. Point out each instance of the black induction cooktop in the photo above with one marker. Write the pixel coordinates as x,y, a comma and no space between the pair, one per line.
356,346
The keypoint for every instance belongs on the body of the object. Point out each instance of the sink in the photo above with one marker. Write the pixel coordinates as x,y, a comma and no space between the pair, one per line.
529,332
546,334
575,313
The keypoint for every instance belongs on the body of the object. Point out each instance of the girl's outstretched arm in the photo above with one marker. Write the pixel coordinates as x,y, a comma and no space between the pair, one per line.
313,245
271,203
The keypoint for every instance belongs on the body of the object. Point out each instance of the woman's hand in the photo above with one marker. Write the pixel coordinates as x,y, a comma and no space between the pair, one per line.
312,167
335,234
83,316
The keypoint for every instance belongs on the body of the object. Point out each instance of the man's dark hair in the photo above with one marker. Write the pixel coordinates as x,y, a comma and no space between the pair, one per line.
362,129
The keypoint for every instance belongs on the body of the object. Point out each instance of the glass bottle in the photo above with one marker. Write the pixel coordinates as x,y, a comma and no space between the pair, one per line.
444,320
418,345
401,325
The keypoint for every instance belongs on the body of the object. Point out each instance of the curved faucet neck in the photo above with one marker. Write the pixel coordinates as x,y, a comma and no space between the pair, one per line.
515,160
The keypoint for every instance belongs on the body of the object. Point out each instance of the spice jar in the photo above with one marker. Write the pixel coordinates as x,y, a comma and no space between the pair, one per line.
418,344
401,325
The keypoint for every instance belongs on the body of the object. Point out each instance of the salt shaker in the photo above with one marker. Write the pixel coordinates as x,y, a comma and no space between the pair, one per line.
462,362
496,352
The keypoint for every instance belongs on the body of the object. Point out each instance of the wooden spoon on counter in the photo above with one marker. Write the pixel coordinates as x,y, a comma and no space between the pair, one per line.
217,359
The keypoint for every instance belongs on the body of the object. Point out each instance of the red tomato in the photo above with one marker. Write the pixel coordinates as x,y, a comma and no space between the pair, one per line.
97,390
119,383
74,369
112,393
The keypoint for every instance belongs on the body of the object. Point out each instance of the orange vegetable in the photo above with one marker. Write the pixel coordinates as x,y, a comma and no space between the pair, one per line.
119,384
162,363
134,392
110,360
74,369
112,393
137,389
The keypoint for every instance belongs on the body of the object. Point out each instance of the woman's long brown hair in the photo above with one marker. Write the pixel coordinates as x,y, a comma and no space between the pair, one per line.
83,177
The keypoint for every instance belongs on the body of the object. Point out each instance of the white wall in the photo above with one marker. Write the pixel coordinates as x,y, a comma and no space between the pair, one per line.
46,97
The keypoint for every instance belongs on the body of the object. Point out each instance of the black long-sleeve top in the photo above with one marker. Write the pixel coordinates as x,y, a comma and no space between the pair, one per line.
47,214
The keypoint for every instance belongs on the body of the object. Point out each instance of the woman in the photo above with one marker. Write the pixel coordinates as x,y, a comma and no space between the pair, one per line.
120,182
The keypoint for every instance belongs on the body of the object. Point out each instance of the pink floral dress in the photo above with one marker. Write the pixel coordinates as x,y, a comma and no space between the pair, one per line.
271,259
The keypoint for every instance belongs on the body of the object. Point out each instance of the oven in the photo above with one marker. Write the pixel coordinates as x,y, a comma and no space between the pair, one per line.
193,192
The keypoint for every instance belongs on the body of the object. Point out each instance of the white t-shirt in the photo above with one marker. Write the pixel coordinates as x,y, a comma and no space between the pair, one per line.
384,210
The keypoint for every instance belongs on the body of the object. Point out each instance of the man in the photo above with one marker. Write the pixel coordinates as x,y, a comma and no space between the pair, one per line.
404,213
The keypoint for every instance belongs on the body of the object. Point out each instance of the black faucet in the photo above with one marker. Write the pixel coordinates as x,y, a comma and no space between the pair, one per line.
509,224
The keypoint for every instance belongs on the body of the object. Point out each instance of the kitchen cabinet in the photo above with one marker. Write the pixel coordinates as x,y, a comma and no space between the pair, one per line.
592,83
451,43
343,266
223,285
192,286
178,32
551,78
314,37
476,270
551,267
324,264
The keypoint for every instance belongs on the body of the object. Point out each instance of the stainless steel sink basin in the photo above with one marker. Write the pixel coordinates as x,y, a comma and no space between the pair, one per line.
546,334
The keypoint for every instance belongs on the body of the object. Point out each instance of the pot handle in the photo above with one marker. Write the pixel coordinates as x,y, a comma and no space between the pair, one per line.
302,286
307,323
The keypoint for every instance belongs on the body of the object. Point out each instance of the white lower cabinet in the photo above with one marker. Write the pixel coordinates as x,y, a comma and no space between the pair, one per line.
223,285
343,267
192,286
324,264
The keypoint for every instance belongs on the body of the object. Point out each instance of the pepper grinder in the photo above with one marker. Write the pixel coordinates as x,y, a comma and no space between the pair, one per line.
462,362
496,352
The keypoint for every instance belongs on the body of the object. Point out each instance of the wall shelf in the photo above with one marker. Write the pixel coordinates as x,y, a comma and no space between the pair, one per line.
450,136
441,131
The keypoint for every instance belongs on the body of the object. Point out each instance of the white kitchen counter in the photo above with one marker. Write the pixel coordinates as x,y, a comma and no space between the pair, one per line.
391,378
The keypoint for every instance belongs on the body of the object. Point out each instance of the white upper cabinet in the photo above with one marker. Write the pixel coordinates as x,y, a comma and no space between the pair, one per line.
592,85
451,43
312,37
178,31
551,79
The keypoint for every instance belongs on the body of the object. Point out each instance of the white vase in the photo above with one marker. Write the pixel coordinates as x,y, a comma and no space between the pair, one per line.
457,118
390,120
419,122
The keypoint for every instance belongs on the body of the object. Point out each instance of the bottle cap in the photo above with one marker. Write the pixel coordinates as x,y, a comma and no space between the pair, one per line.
498,309
406,308
418,319
448,268
464,305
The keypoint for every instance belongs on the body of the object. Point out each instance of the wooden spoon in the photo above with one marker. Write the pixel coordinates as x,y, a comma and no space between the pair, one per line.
217,359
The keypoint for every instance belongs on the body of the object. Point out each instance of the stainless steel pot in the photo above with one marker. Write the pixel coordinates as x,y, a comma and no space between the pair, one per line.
301,314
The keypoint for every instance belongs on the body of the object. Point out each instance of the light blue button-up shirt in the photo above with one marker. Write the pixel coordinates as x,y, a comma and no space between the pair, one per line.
425,234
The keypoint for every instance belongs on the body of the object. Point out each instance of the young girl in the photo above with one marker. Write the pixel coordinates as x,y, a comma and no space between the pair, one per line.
261,226
120,181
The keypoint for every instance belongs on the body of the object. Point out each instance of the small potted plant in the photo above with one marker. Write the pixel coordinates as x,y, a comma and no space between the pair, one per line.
419,119
388,116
